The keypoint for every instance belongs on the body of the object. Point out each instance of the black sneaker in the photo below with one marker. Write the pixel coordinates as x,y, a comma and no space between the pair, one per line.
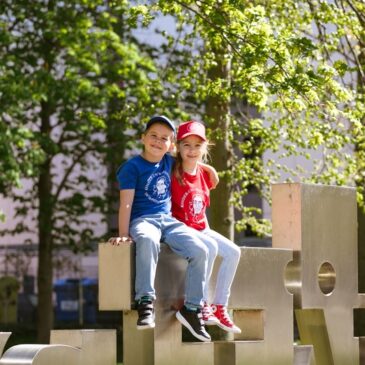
146,315
193,321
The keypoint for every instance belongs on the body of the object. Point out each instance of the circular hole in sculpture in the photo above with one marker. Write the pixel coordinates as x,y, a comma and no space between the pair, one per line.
326,278
292,279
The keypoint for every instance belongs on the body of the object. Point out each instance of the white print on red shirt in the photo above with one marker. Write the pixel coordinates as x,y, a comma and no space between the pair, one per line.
193,203
196,205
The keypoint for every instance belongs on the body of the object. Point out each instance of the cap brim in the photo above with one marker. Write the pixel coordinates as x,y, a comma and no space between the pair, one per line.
161,119
191,134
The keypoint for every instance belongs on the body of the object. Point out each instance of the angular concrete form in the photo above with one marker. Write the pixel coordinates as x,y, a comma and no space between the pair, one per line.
265,312
3,340
163,345
170,288
304,355
116,276
97,347
138,346
312,266
320,224
259,288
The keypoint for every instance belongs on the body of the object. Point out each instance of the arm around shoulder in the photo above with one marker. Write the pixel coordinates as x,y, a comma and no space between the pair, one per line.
213,174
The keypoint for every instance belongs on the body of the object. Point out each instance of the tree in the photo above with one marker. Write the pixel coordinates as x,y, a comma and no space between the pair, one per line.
345,47
337,31
297,103
62,67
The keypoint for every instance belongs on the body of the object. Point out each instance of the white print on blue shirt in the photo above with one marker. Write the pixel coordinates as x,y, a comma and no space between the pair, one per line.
157,188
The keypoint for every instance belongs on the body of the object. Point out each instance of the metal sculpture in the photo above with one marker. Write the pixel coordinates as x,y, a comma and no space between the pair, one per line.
311,269
319,223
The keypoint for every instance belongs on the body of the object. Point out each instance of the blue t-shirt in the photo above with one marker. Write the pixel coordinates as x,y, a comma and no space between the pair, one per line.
151,182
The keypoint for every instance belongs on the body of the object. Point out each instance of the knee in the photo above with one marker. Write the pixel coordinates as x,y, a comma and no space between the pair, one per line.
212,248
236,253
146,243
201,252
232,253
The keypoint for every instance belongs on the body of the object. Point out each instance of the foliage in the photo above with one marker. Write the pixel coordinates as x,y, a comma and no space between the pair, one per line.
67,69
76,87
344,48
64,61
287,99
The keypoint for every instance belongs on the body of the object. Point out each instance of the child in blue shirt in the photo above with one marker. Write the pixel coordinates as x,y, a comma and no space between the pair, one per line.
145,218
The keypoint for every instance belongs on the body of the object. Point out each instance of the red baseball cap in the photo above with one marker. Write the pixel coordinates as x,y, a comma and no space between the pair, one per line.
191,128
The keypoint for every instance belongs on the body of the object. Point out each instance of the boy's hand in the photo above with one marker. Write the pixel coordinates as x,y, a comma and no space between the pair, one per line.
116,241
212,172
214,178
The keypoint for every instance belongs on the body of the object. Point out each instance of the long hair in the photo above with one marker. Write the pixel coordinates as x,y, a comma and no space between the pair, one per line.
177,170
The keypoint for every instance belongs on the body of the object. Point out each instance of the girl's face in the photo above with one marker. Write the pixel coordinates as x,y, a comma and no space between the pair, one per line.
192,149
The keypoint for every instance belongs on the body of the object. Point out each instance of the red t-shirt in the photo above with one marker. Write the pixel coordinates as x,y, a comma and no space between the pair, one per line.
190,200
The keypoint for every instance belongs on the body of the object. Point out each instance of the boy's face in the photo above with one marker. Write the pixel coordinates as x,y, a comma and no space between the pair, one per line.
157,140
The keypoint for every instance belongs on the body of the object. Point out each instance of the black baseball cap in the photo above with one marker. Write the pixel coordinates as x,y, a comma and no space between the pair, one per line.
161,119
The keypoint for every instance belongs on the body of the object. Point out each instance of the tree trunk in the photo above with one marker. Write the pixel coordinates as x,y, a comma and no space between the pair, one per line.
218,112
116,141
359,150
45,264
360,313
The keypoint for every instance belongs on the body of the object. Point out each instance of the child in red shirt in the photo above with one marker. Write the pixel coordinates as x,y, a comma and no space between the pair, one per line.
190,186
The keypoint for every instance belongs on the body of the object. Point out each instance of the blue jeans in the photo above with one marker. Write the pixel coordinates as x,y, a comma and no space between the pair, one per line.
147,232
230,253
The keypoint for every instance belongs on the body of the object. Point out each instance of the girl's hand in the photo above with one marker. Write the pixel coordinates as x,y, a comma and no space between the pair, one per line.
116,241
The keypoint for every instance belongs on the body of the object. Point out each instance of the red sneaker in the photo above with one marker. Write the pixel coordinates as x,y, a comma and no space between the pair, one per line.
225,322
208,317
